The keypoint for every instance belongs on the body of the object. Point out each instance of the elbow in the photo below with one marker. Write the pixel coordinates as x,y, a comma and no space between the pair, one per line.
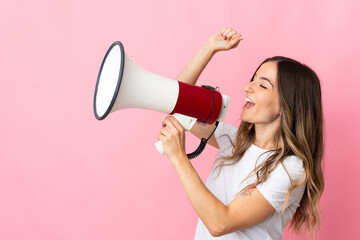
219,226
215,234
223,228
218,230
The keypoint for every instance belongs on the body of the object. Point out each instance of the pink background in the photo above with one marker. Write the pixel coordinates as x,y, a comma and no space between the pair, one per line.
65,175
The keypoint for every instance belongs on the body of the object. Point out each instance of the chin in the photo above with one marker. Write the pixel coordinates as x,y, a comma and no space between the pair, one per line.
245,119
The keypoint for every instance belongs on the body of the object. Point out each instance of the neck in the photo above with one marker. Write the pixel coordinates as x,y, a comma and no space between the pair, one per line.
268,136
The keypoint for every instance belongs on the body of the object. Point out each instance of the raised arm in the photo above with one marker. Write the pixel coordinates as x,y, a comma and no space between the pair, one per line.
225,39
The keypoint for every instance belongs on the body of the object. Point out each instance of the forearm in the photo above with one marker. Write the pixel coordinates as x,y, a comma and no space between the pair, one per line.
226,39
210,209
194,68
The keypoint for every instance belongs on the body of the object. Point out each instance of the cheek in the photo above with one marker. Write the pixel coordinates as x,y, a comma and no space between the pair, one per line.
271,105
268,100
275,107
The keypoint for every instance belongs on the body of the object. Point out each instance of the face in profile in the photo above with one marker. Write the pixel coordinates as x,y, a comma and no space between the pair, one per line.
262,96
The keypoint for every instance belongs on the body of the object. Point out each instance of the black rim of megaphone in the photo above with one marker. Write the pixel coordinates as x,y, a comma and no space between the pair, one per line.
122,63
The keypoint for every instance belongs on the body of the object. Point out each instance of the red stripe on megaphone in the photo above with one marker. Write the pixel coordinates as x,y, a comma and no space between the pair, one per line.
198,102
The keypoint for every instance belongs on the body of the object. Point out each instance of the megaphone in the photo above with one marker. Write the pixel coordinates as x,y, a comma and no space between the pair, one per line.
123,84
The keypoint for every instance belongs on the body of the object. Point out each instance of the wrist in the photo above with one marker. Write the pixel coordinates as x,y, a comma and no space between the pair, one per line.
179,159
208,49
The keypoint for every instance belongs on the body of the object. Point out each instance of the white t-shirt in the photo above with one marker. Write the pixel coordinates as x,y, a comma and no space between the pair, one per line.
228,184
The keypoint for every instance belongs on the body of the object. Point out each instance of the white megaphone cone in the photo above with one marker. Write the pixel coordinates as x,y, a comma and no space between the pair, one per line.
123,84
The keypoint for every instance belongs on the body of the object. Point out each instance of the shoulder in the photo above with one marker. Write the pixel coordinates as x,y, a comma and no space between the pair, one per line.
287,173
293,166
280,180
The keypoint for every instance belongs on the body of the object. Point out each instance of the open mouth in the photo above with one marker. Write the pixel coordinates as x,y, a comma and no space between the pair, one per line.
249,103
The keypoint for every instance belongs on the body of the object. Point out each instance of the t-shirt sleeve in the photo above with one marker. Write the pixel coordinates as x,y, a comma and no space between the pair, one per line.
225,135
275,188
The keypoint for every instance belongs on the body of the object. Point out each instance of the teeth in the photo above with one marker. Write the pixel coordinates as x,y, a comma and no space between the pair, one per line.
249,100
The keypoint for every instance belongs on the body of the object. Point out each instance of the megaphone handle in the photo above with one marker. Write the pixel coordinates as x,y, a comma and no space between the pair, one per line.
185,121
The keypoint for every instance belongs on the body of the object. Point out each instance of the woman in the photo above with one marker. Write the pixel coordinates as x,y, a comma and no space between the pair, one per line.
268,171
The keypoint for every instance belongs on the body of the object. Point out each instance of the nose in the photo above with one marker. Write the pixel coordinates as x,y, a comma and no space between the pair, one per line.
249,87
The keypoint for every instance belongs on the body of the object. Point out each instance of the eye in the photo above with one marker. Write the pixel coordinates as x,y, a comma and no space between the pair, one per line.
263,86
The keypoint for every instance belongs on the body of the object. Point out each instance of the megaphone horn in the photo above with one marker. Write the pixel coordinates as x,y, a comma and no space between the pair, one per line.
123,84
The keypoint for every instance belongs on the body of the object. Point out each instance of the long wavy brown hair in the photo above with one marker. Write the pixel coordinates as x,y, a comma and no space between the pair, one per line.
302,135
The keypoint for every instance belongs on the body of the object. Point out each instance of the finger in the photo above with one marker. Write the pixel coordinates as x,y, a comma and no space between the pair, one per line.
226,32
237,36
170,126
165,121
173,128
177,124
234,42
165,132
217,35
162,138
223,30
230,34
221,35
